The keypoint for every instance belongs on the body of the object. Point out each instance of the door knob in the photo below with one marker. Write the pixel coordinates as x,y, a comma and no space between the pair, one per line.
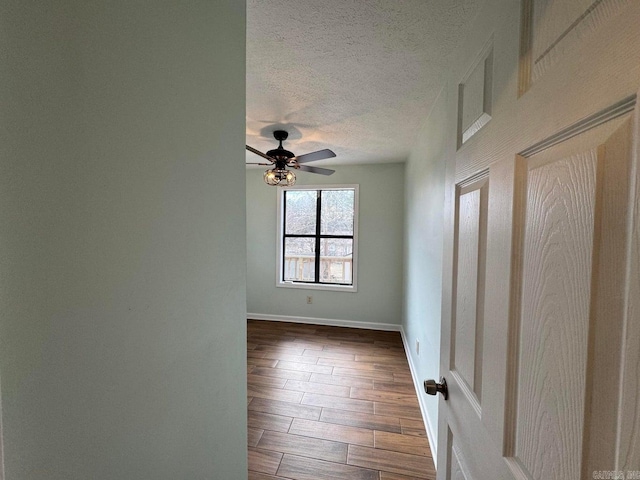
431,387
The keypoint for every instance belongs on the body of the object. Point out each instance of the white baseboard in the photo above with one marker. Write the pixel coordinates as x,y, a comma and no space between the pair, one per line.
325,321
368,326
431,434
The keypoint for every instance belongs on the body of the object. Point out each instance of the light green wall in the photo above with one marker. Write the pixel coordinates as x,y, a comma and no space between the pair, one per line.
430,166
122,253
424,227
379,295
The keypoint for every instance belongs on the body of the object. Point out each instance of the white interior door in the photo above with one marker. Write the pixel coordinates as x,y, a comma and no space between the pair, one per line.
541,327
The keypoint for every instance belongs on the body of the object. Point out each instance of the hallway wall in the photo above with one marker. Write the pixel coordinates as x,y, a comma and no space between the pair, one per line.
424,226
122,259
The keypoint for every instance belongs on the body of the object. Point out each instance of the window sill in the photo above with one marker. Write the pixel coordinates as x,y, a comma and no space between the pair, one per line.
319,286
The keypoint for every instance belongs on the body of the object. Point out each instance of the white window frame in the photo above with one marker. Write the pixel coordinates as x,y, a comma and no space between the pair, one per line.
280,230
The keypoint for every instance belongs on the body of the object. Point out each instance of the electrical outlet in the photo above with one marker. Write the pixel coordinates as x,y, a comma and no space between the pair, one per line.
309,299
417,347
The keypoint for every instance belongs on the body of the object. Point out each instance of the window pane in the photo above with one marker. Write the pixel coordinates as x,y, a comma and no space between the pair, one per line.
301,212
299,259
336,260
337,212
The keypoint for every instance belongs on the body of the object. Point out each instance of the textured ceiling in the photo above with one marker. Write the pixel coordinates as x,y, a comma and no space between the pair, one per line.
358,77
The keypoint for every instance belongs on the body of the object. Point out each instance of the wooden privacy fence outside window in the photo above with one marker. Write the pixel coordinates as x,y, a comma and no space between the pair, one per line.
333,269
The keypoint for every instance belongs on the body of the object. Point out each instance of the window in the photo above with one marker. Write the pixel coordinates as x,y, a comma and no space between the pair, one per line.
318,237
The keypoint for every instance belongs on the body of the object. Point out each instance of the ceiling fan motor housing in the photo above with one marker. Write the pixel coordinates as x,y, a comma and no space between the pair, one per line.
280,153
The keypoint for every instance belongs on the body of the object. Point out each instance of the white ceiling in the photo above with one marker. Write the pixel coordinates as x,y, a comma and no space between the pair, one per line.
354,76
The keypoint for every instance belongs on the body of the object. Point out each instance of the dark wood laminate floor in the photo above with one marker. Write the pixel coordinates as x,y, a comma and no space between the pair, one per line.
332,403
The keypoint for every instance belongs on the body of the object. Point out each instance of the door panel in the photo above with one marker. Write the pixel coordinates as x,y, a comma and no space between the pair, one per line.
555,316
553,30
458,472
469,365
570,321
470,260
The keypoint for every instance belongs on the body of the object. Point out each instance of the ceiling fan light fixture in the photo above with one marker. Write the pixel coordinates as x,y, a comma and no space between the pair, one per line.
280,159
279,177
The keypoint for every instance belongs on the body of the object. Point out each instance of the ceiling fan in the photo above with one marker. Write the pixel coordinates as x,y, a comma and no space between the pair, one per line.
280,159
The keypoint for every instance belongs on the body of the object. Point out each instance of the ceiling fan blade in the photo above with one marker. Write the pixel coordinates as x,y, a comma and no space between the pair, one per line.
321,171
313,156
258,152
254,163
